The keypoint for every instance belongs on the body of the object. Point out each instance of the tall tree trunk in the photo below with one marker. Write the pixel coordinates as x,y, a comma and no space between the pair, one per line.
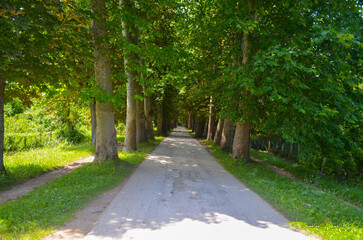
165,127
130,34
241,142
159,119
93,121
190,120
218,134
2,119
226,134
106,142
199,128
148,116
140,117
205,129
212,120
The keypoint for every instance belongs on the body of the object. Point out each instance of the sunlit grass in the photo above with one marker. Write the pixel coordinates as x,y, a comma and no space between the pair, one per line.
30,163
351,192
35,215
313,211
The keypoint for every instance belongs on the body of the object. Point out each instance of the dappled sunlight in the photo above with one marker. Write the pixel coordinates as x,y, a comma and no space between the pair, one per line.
181,192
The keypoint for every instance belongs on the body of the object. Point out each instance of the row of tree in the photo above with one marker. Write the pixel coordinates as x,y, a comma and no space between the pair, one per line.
278,69
287,69
108,53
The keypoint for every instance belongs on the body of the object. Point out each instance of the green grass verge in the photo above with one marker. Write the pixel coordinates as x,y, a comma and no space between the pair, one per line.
312,211
30,163
35,215
350,192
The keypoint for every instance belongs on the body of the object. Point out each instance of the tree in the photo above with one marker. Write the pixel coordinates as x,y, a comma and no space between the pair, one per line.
106,141
130,33
33,47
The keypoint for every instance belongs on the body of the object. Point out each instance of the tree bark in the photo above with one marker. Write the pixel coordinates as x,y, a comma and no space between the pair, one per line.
289,156
2,119
106,142
199,128
159,119
190,120
140,117
212,120
93,121
218,134
205,129
148,116
241,142
130,34
226,133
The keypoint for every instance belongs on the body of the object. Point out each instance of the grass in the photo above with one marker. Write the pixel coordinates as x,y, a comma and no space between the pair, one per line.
30,163
35,215
316,212
352,193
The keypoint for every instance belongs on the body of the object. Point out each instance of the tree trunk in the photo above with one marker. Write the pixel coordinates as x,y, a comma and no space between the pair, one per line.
289,156
190,120
199,128
159,119
2,119
148,116
218,134
140,117
106,142
212,120
130,34
205,129
226,132
241,142
93,121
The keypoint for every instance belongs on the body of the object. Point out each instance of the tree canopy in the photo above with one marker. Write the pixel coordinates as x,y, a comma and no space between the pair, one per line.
284,69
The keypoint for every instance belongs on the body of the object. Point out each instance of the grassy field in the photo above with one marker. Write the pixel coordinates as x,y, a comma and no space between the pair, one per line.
314,211
35,215
30,163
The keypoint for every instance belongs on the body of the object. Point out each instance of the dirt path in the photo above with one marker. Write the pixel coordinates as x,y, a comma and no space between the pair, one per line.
181,192
21,189
29,185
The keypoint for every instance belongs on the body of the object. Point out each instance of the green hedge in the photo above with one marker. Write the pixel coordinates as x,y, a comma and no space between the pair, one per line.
20,141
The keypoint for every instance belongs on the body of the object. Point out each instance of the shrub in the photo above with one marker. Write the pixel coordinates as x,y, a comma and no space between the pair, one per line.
120,128
21,141
73,136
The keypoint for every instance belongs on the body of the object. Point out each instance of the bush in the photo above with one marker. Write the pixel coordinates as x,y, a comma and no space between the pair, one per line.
21,141
14,107
73,136
120,128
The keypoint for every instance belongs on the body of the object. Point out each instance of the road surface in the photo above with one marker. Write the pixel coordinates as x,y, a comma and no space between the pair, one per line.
181,192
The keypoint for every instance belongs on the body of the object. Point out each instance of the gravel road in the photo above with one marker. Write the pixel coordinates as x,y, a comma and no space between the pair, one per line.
181,192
